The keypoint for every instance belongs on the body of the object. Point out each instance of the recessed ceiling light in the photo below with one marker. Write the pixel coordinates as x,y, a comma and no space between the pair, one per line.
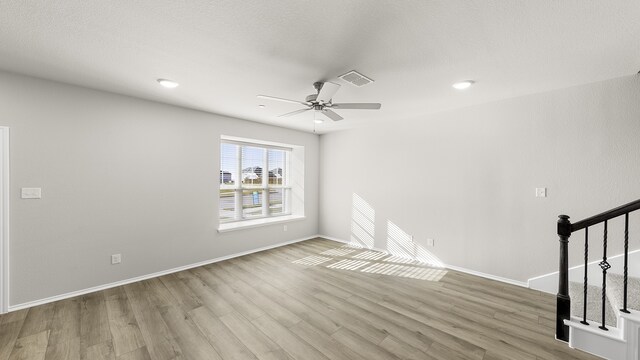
262,106
461,85
318,121
168,83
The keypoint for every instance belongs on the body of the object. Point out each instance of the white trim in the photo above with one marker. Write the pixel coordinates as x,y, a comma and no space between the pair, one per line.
631,326
4,219
588,338
148,276
256,143
222,258
451,267
347,242
333,239
613,333
248,224
239,188
488,276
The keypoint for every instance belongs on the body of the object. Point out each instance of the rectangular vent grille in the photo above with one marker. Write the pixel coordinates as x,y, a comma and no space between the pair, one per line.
355,78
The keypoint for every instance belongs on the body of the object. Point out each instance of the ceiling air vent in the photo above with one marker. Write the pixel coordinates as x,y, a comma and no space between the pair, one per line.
355,78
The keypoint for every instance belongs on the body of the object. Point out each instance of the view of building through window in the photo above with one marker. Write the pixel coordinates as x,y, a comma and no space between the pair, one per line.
253,181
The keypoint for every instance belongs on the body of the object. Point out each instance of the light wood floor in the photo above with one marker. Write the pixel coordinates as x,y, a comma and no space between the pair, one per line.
313,300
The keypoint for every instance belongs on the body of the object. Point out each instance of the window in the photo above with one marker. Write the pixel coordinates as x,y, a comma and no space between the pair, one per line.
254,181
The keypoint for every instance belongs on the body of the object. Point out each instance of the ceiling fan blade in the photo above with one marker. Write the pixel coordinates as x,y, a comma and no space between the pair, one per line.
332,115
327,91
284,100
364,106
294,112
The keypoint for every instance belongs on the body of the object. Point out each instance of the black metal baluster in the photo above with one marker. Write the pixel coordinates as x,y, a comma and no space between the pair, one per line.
604,265
586,261
626,259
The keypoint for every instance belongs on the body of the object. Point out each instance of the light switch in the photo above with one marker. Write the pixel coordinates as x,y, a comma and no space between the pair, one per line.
31,193
541,192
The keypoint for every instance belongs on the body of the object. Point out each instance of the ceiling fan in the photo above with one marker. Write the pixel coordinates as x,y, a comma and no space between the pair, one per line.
322,103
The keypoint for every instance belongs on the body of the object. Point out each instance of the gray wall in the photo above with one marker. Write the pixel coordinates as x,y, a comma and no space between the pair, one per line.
466,178
122,175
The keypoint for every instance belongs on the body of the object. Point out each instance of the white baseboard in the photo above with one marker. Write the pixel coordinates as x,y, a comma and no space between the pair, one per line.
148,276
451,267
333,239
222,258
488,276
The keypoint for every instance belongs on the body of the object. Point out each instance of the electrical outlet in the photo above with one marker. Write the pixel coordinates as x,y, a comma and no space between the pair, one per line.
541,192
31,193
285,227
430,242
116,259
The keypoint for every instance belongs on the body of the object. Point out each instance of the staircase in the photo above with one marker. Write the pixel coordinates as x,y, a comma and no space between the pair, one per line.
601,319
620,341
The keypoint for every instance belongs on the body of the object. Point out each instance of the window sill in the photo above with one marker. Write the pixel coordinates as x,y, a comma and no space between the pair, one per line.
247,224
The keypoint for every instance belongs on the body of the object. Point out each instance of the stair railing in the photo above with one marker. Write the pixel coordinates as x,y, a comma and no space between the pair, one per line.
565,229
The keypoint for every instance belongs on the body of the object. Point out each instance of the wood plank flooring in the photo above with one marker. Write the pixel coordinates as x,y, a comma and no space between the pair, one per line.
316,299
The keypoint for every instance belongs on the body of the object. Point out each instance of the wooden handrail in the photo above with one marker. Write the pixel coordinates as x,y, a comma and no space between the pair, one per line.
607,215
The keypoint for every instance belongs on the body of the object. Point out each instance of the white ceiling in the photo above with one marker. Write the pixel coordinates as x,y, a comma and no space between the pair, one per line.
224,53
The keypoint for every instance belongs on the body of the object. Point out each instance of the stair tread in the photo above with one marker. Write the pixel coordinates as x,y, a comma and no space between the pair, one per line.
613,333
615,290
594,304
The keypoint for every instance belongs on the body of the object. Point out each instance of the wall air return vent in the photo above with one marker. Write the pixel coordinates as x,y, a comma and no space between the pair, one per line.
355,78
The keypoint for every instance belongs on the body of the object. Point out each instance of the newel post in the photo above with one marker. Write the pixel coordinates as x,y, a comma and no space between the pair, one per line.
563,309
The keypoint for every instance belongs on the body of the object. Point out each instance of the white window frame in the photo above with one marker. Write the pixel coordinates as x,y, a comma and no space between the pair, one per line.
293,209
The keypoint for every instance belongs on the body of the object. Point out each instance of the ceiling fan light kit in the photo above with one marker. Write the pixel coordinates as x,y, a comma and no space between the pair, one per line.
322,102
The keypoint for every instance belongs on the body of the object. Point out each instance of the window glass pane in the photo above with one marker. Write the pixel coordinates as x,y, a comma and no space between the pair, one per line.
227,205
251,203
244,172
228,165
276,201
252,165
277,160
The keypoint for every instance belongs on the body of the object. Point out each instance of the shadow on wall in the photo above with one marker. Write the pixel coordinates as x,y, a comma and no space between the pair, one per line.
400,245
363,218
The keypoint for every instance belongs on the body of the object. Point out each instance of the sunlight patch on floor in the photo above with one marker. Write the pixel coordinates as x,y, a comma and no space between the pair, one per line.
348,264
338,252
312,260
369,255
372,262
401,260
351,246
412,272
